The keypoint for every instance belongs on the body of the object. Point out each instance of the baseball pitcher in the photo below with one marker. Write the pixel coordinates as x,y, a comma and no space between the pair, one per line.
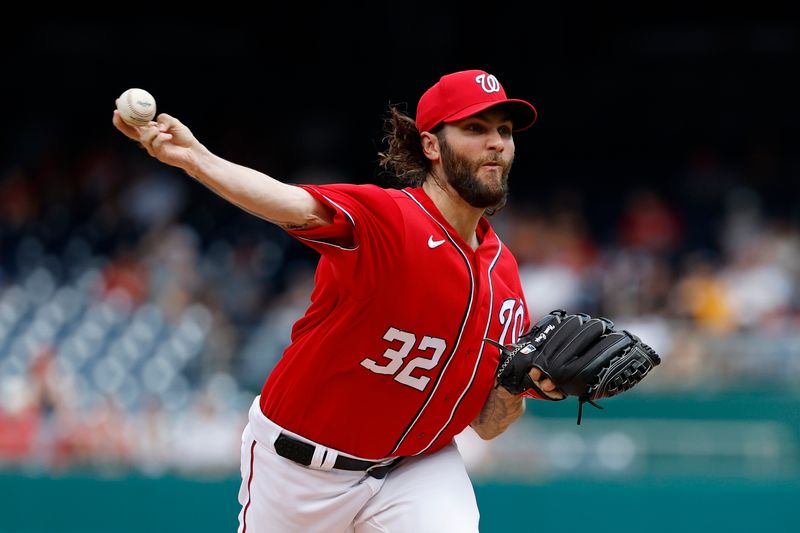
417,325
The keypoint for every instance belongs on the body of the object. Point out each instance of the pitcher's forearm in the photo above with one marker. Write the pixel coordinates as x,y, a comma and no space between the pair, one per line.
286,205
500,411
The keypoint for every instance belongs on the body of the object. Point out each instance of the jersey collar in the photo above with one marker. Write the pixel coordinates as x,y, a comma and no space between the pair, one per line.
484,231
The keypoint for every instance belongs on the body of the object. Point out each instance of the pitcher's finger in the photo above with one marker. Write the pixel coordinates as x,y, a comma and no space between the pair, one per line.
167,120
147,134
547,385
132,132
161,139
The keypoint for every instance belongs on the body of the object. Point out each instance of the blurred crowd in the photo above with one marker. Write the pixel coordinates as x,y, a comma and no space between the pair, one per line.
140,313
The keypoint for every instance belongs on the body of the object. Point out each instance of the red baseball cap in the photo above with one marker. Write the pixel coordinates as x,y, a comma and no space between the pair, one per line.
462,94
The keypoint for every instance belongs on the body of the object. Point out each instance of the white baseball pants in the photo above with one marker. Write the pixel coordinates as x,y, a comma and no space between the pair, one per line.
429,493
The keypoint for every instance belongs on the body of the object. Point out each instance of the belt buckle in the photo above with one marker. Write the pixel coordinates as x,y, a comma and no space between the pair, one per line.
379,470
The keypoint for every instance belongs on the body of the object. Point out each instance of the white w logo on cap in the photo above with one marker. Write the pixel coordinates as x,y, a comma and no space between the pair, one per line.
488,83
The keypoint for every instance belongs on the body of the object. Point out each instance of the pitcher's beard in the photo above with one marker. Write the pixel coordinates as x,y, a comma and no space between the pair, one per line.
462,176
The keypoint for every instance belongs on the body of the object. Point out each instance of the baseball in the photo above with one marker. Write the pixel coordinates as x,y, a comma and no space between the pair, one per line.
137,107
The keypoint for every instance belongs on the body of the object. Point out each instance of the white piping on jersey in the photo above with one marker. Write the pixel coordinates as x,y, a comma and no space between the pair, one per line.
353,222
458,338
480,352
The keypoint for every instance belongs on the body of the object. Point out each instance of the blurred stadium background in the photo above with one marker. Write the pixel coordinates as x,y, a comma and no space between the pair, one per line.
139,313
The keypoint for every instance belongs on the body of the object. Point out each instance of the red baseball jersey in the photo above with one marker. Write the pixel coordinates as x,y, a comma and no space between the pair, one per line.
389,357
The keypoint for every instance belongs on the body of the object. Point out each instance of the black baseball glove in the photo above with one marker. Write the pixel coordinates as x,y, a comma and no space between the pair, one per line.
583,356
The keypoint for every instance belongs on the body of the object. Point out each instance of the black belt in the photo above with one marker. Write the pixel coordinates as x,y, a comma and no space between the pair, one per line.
302,452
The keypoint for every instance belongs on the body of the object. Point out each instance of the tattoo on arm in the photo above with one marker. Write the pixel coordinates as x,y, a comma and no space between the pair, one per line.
497,414
288,226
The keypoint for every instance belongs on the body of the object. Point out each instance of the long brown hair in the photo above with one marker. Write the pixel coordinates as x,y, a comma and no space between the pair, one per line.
403,156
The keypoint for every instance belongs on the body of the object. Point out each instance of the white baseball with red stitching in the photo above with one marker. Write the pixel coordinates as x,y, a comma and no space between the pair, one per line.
137,107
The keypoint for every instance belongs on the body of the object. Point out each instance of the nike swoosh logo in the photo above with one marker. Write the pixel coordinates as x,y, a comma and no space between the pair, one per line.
434,244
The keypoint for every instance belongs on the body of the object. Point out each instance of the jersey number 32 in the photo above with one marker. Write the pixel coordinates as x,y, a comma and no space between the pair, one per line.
432,349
